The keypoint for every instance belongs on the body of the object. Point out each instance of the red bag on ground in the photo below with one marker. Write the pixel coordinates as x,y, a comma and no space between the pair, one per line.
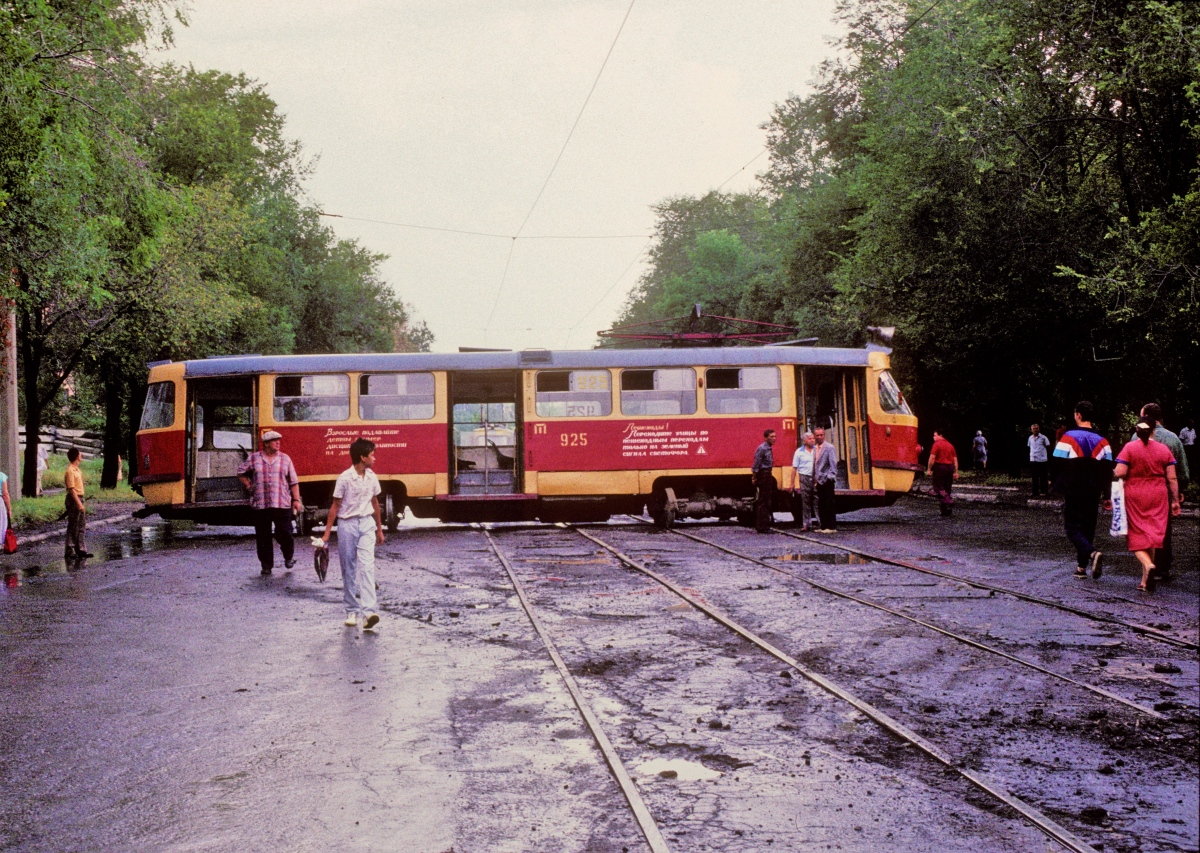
10,541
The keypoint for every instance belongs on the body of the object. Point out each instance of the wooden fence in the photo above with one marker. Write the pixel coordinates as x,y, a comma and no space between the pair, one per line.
60,440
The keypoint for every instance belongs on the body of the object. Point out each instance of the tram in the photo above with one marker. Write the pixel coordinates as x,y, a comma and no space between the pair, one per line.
534,434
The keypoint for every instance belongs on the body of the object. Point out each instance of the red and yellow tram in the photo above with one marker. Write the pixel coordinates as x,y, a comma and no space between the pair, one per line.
536,434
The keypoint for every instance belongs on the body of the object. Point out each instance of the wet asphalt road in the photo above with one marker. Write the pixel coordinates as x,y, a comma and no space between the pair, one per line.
165,697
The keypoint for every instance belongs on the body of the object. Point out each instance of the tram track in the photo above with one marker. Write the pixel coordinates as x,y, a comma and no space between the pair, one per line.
967,641
774,743
1144,630
1049,827
1053,732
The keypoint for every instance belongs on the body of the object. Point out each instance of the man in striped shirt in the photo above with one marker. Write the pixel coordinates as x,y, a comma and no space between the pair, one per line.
270,478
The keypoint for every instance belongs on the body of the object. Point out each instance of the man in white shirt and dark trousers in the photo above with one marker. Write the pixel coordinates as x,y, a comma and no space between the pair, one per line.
1039,458
804,486
355,507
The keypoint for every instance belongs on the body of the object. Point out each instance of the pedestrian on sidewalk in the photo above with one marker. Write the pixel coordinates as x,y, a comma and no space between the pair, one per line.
355,508
762,471
825,463
1084,473
1151,496
1039,447
943,471
1151,413
270,478
76,511
804,487
6,509
43,463
979,451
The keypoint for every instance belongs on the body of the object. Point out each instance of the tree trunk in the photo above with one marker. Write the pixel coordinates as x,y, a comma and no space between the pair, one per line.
113,445
32,358
134,402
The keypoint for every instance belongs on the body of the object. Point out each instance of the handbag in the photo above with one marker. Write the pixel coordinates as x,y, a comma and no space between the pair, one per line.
1120,520
10,541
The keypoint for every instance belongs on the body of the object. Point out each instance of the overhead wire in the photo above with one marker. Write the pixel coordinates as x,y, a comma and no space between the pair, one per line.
486,233
545,183
624,273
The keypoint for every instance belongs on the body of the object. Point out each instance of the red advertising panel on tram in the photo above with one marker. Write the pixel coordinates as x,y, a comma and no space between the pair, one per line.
399,448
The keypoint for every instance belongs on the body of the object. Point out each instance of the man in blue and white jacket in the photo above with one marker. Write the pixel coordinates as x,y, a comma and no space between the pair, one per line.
1085,463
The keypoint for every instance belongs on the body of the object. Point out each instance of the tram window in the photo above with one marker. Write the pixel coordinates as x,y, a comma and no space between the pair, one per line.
573,394
742,390
395,396
658,392
890,397
323,397
159,411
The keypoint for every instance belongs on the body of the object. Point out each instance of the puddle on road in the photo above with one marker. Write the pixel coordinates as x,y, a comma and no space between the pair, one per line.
107,546
837,559
676,768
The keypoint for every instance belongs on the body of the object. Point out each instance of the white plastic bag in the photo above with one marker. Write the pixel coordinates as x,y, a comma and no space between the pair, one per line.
1120,521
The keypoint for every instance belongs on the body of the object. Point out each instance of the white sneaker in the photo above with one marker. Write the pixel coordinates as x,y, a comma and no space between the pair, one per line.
351,620
371,622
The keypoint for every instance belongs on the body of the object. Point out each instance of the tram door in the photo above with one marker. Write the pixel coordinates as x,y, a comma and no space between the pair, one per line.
834,401
858,475
485,432
220,436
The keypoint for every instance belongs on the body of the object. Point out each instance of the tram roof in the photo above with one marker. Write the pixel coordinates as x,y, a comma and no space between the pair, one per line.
238,365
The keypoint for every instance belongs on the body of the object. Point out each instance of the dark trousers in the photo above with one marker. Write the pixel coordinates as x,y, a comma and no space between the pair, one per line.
826,507
76,527
805,495
764,501
1164,555
1079,522
943,483
1038,470
282,521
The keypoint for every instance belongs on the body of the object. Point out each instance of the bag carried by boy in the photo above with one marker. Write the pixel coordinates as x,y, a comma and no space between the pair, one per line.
10,541
1120,519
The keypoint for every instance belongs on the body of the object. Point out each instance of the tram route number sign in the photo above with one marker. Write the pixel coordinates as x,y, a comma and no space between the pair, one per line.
660,441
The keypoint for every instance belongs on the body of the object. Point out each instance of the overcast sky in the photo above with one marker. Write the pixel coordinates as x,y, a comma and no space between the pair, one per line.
451,114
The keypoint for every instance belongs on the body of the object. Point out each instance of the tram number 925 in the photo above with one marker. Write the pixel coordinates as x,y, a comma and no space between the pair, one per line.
573,439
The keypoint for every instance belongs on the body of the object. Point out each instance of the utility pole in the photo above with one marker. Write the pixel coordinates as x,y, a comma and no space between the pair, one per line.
10,455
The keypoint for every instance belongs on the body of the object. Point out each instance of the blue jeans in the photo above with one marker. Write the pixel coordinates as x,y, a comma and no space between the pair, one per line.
356,551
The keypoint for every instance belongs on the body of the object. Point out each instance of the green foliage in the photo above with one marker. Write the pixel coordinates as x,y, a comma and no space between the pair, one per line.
1012,184
155,212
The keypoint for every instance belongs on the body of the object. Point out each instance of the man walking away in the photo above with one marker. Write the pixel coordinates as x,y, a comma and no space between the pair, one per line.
764,483
804,487
1187,437
1039,445
1085,464
979,451
1152,414
355,508
76,512
943,471
270,478
825,460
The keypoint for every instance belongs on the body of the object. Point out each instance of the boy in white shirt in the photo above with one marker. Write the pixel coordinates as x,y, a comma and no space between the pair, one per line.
355,507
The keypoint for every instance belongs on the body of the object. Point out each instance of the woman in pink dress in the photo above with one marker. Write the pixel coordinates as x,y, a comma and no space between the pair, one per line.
1151,491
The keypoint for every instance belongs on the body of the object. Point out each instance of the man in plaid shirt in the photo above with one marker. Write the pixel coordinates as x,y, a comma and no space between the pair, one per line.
270,478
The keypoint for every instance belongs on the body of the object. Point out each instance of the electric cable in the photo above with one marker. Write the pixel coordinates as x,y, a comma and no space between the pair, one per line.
545,183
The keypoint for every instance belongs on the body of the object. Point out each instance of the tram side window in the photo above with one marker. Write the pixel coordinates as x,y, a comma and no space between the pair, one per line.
159,411
890,397
395,396
658,392
573,394
312,398
742,390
